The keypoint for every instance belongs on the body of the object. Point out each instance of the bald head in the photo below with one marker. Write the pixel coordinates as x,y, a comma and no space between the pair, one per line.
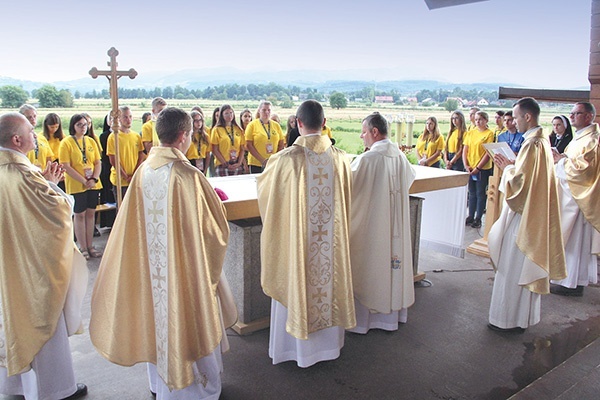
16,132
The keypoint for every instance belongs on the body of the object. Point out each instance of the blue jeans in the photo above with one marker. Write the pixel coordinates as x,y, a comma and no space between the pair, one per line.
477,193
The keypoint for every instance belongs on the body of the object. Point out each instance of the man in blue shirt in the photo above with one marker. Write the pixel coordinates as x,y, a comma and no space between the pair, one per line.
513,138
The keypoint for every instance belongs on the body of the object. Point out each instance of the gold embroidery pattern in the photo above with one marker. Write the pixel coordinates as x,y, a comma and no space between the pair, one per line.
319,275
155,189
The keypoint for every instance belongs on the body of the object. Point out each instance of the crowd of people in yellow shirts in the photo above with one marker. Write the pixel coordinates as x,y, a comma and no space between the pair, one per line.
227,148
463,149
230,147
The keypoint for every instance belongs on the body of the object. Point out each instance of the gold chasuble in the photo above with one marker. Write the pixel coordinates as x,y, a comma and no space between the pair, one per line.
304,201
154,297
582,167
37,263
531,191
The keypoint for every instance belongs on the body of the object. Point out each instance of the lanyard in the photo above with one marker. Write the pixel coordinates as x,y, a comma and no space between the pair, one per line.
37,146
510,144
268,132
80,149
231,135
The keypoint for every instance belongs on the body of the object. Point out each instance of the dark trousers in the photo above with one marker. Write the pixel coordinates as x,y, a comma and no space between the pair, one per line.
123,191
255,170
477,193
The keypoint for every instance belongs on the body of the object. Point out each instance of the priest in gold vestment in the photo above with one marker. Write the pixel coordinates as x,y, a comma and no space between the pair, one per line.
43,277
525,242
304,201
578,173
155,296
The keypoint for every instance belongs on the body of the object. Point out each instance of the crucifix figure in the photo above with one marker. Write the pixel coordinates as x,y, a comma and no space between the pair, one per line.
113,75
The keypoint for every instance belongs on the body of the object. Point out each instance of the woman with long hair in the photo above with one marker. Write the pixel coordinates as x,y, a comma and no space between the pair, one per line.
90,131
430,144
215,117
80,157
454,142
245,119
52,130
228,141
199,151
562,133
291,131
479,165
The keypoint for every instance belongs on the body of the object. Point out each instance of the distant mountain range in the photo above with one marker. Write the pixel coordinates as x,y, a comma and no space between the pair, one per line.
323,81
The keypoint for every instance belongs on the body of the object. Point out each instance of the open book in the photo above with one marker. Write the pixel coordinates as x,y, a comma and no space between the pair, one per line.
500,148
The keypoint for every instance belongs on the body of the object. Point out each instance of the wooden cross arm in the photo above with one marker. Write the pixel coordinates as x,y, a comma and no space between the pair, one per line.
132,73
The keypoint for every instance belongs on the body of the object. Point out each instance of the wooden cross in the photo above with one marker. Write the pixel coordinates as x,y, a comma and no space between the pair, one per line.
113,75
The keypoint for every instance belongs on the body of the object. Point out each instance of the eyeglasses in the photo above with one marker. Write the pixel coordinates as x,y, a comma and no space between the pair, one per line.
575,113
81,124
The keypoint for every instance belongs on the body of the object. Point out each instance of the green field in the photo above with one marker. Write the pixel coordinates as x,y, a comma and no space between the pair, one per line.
345,123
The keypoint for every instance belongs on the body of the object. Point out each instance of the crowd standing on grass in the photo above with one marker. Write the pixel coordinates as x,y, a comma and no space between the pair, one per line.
550,185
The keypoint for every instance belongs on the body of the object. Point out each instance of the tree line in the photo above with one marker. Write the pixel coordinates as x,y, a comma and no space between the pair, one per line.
51,97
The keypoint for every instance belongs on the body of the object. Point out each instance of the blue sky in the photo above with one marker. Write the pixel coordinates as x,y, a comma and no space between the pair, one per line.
535,43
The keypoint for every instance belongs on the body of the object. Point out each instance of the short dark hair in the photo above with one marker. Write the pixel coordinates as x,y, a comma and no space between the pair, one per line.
74,119
376,120
508,113
500,113
588,107
311,114
529,105
170,122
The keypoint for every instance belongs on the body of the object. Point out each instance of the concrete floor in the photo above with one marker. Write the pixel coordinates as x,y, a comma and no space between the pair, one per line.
445,351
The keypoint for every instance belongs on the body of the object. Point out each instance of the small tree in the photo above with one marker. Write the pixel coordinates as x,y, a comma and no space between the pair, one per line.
338,100
451,105
49,97
13,96
66,98
287,102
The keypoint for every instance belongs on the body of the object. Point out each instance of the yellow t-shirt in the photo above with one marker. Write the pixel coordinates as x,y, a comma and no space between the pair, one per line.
220,137
430,147
198,149
453,144
258,133
71,151
54,145
326,131
475,140
130,145
192,152
498,131
149,133
43,154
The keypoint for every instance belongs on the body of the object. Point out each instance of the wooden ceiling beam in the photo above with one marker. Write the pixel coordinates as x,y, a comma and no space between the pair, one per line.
551,95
